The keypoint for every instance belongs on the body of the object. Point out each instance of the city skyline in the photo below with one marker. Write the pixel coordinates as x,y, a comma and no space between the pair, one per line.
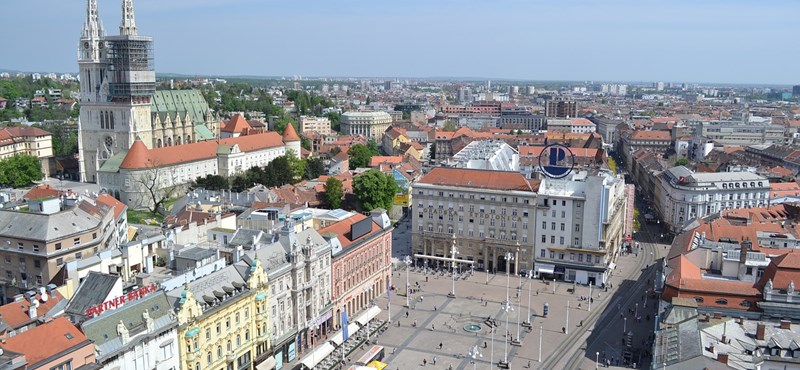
682,42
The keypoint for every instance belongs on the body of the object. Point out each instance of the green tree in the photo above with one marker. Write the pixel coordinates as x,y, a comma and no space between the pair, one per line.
315,167
334,192
433,151
449,126
334,117
305,143
211,182
636,223
612,165
296,164
20,170
240,183
373,147
375,189
360,155
682,162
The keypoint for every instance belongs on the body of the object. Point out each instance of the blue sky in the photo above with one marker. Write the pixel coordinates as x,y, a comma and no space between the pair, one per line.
732,41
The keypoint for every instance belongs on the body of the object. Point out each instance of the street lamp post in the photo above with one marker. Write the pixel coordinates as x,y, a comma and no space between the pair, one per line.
566,328
636,314
519,301
453,253
541,333
491,353
597,360
475,354
527,322
407,260
506,308
624,325
590,297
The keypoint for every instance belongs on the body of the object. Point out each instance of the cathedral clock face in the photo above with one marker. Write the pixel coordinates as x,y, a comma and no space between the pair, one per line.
86,44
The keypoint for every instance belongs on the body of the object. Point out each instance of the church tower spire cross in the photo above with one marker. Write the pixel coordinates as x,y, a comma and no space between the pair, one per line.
92,27
128,24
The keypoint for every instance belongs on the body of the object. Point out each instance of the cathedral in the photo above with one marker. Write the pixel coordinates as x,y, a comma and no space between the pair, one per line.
119,101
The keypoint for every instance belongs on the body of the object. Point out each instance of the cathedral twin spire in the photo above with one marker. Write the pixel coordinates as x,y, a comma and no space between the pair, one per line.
128,25
93,27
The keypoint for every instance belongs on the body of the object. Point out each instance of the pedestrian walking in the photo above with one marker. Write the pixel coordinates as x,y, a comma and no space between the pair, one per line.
424,362
440,345
434,360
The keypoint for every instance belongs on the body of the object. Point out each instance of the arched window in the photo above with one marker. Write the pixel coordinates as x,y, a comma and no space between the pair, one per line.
721,301
238,340
247,335
219,352
230,346
208,357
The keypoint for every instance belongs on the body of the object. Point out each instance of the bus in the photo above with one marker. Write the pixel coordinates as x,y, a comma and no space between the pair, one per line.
374,354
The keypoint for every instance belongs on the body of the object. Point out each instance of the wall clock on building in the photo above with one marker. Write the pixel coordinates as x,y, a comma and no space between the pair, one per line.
86,44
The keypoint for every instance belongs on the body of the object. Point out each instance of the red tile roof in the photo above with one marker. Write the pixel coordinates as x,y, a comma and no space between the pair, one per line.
342,230
112,202
377,160
529,150
53,339
496,180
651,135
15,314
289,134
237,124
139,156
42,191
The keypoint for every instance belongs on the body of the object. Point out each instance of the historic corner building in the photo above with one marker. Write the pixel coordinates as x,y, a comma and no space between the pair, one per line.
568,229
118,98
579,227
223,318
487,214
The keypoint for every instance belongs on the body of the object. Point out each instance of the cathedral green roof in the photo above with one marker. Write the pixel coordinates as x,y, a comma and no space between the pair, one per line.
203,133
172,103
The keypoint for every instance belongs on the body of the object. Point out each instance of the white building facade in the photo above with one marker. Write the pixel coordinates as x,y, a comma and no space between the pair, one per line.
369,124
579,227
682,195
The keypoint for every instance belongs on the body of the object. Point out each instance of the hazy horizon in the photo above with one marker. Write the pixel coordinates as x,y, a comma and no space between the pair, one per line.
736,42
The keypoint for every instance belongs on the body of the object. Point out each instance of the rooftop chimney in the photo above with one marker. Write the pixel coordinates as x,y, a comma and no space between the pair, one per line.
723,358
761,330
786,324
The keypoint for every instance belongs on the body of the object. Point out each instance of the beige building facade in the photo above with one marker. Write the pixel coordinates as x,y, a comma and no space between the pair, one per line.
369,124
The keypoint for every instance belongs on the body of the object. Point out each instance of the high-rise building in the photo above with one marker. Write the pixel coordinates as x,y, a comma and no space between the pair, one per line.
796,90
464,95
660,86
560,108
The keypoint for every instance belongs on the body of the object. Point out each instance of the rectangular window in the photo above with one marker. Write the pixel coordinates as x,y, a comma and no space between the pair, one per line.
552,225
561,240
59,261
552,254
544,225
552,239
578,227
78,255
577,241
542,253
37,264
562,226
580,258
572,256
544,238
596,259
76,241
20,246
35,248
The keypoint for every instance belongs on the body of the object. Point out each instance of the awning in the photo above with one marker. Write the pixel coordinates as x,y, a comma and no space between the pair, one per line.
351,329
318,355
545,268
368,315
268,364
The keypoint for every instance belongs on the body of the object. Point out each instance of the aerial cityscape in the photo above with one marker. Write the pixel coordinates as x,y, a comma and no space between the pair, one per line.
353,185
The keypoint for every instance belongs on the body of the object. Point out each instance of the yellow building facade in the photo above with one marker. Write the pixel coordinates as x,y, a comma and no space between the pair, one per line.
223,320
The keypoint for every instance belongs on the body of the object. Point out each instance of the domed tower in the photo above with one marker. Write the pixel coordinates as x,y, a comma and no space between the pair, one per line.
291,140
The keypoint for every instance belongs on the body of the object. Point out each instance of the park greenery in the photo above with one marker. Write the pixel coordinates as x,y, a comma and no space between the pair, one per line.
20,170
375,189
361,154
612,165
334,192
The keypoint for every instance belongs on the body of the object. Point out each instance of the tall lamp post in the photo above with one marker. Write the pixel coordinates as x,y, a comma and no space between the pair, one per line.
506,308
527,322
453,253
507,305
407,260
516,341
475,354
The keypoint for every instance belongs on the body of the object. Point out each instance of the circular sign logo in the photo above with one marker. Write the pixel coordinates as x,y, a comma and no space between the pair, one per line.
556,161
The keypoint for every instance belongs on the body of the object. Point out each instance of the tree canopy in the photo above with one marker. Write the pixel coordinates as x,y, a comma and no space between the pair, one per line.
334,192
361,154
20,170
315,167
211,182
612,165
375,189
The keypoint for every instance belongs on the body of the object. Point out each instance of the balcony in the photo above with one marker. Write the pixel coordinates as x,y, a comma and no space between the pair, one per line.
192,356
230,357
